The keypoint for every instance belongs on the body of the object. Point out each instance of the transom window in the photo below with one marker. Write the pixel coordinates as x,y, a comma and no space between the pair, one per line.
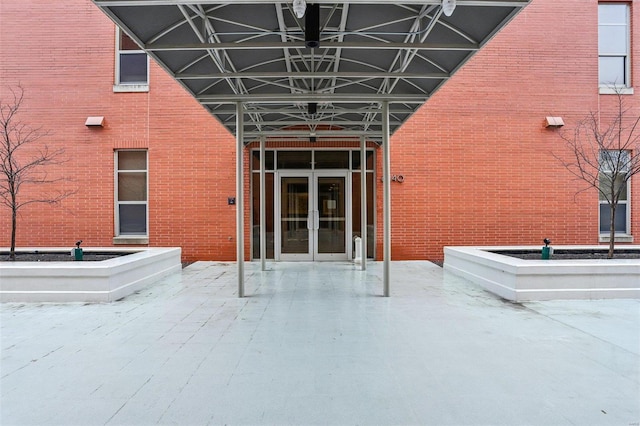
311,159
613,45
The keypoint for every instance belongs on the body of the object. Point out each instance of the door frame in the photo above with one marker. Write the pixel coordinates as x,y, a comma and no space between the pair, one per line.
312,208
346,255
277,203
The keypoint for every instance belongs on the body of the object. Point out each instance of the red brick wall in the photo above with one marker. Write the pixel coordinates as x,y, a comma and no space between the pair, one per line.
65,62
476,159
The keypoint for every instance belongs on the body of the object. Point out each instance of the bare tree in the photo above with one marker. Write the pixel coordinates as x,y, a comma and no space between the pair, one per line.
605,156
24,159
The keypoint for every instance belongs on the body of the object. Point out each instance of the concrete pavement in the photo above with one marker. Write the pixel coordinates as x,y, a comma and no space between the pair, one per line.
314,343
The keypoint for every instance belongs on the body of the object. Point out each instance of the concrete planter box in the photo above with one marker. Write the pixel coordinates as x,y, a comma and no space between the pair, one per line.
528,280
100,281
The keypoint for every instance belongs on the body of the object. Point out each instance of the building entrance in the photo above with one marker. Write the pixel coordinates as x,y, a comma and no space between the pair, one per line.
312,203
314,215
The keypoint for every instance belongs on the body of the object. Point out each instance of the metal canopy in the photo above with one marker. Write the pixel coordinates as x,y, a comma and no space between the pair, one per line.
253,52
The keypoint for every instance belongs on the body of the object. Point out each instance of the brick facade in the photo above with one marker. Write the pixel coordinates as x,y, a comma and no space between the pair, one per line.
476,158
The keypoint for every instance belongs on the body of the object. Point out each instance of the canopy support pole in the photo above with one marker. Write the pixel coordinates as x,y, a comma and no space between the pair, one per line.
386,197
240,197
263,209
363,202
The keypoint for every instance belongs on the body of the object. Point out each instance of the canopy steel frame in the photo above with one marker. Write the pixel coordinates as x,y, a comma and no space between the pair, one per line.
246,63
252,51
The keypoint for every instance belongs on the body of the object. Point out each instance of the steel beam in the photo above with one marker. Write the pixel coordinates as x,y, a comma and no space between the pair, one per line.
247,45
307,133
322,122
292,111
335,98
307,75
112,3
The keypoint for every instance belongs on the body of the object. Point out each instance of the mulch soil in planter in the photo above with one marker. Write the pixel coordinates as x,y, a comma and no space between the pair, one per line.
59,257
571,254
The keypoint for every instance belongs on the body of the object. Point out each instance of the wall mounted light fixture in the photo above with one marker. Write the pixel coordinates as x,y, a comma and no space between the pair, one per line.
553,122
94,122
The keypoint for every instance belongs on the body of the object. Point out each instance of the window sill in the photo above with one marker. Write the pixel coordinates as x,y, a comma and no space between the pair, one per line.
606,90
130,240
126,88
619,238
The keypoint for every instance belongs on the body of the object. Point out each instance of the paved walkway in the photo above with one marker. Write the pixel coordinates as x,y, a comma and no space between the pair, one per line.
315,344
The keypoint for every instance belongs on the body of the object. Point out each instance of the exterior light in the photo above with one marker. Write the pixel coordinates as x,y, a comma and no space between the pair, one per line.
553,122
94,122
448,6
299,7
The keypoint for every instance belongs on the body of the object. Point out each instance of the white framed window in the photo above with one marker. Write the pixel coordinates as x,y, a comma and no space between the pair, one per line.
132,65
614,166
614,41
131,189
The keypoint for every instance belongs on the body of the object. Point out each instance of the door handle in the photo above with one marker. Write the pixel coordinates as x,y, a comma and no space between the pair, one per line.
316,220
310,219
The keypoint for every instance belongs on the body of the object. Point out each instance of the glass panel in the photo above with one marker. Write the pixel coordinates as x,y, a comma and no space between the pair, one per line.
612,14
294,210
269,214
255,160
331,237
356,218
622,185
295,237
133,219
132,186
126,43
605,183
620,224
612,40
294,159
612,70
356,160
332,214
371,207
132,160
614,159
355,204
133,68
331,159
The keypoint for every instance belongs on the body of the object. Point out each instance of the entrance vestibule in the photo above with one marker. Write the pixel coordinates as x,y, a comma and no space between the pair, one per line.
312,204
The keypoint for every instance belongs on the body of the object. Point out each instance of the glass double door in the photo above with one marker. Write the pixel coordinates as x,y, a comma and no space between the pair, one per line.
313,214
